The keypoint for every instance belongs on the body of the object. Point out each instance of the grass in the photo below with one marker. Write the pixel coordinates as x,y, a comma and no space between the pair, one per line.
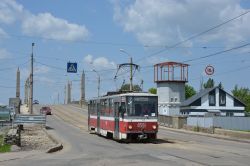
4,147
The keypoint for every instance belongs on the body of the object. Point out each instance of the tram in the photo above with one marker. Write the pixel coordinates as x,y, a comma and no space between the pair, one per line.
125,116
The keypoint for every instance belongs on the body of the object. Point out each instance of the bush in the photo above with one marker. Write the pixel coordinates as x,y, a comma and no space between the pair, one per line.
4,147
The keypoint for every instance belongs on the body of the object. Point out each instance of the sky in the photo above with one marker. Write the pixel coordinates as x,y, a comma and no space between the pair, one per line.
93,32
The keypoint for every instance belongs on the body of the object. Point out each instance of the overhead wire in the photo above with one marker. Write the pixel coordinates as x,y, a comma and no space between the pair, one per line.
195,35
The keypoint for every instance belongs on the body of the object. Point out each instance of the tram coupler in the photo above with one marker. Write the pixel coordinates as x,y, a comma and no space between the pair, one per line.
142,136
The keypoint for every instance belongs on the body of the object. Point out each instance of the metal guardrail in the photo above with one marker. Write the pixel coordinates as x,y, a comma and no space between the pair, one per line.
30,119
4,114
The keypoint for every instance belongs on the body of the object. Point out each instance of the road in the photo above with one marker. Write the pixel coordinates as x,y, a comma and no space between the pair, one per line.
69,123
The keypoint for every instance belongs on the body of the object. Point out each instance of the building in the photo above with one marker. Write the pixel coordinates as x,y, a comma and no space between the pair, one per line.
213,102
170,78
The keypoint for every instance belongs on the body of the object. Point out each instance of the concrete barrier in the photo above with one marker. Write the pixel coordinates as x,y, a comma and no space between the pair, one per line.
55,148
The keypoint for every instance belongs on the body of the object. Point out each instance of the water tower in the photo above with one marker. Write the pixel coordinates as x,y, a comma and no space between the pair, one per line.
170,78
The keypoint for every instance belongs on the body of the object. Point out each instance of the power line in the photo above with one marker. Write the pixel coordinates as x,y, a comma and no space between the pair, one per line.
8,68
195,36
217,53
9,87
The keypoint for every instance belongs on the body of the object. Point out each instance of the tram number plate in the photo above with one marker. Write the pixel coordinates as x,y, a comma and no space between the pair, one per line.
141,125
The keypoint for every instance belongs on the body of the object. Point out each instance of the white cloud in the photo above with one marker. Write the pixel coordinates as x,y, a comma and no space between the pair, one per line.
168,22
49,26
41,70
4,54
10,11
88,59
43,25
99,63
3,33
44,80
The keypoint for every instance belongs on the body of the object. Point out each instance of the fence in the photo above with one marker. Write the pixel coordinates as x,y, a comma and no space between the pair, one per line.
32,119
231,123
172,121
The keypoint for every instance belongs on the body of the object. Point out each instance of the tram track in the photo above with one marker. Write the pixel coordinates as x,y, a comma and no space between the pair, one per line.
74,118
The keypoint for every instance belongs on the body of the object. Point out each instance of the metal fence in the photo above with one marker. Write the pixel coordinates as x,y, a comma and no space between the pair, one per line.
30,119
232,123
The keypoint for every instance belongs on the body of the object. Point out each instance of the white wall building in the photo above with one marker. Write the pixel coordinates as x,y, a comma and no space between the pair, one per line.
213,102
170,78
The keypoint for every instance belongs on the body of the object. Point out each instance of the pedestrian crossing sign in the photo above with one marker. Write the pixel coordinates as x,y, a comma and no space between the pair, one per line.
71,67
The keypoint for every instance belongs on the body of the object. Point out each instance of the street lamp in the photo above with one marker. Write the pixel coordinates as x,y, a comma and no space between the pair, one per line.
98,86
131,68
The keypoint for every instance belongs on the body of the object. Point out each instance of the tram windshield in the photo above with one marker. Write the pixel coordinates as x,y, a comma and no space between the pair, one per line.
142,106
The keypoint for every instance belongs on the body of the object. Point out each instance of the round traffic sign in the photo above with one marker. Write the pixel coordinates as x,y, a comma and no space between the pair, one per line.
209,70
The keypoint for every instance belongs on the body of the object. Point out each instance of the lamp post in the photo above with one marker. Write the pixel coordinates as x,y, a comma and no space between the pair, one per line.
99,80
131,68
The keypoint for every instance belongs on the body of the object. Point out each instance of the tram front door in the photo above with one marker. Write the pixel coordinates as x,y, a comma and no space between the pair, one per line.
116,133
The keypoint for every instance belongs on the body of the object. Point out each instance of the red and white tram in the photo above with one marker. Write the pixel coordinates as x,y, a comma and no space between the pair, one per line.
124,116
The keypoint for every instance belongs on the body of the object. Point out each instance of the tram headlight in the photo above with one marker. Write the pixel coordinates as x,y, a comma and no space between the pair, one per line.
130,127
154,127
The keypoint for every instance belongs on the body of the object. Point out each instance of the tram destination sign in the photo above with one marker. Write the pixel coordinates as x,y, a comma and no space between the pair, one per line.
141,99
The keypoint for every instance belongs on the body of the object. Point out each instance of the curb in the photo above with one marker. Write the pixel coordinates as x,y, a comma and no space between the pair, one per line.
57,147
206,134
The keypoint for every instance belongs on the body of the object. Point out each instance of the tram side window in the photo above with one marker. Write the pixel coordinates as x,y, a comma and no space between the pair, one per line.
106,107
92,107
111,107
102,107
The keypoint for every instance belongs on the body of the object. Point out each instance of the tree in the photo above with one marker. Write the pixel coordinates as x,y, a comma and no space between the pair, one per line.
152,90
243,94
126,87
220,85
209,83
189,91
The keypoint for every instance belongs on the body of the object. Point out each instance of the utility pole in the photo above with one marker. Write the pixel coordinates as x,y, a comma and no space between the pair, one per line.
142,85
82,99
31,83
18,83
131,65
25,92
26,99
58,98
131,74
98,82
65,94
69,93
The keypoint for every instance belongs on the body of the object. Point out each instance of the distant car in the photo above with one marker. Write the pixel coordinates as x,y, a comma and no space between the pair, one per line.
35,102
45,110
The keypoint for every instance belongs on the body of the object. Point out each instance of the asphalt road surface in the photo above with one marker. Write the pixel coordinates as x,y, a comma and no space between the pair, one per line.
69,123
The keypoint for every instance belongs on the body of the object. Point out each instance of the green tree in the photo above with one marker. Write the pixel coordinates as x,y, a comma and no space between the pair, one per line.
243,94
220,85
189,91
152,90
209,83
126,87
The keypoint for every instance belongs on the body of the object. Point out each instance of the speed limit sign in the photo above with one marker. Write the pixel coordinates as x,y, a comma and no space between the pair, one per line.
209,70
